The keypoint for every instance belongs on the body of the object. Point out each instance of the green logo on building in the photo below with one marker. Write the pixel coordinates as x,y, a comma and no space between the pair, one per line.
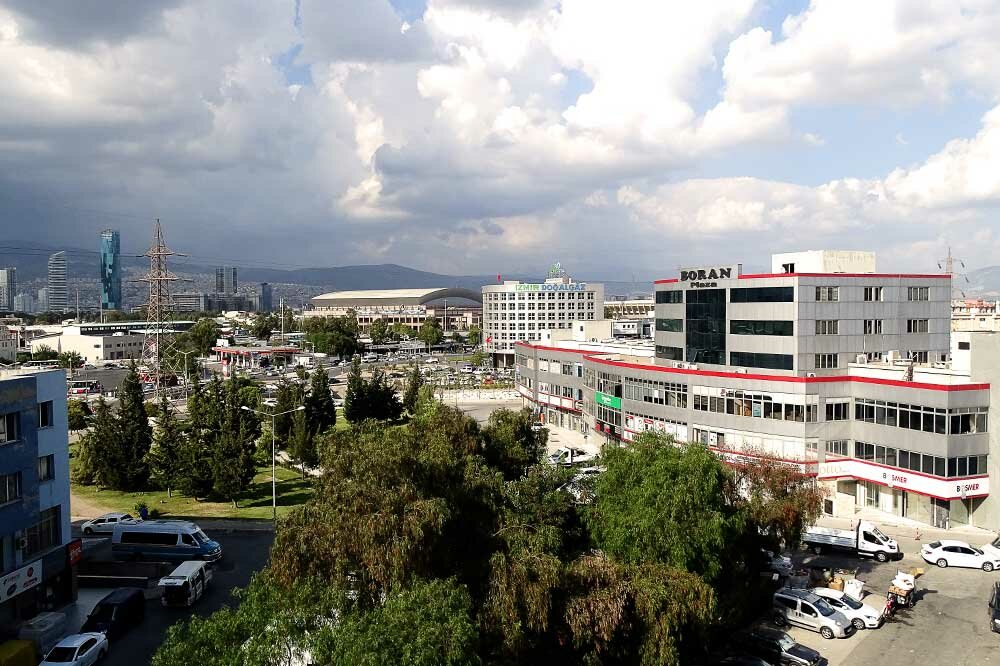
606,400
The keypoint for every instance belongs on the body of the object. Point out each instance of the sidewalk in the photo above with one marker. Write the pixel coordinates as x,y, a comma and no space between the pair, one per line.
905,528
566,437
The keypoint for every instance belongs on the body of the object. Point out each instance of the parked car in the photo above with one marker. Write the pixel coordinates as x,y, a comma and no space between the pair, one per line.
777,647
569,455
78,650
948,553
580,486
163,541
116,613
186,584
105,524
776,563
861,615
804,609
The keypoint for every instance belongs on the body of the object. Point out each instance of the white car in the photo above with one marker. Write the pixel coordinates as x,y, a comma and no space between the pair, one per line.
569,455
105,524
946,553
861,615
77,650
580,487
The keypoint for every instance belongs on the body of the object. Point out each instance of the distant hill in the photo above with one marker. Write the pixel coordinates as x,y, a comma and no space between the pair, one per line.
983,282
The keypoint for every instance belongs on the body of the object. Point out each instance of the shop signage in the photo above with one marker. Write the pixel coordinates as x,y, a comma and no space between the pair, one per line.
700,278
606,400
74,551
18,581
946,489
553,286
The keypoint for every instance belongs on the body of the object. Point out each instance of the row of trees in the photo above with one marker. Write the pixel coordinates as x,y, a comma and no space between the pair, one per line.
444,542
333,335
430,332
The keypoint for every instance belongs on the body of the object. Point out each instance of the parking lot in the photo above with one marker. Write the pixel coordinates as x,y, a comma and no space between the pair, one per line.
244,553
947,625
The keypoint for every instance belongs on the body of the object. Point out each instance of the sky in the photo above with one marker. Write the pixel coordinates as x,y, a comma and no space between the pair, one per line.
621,138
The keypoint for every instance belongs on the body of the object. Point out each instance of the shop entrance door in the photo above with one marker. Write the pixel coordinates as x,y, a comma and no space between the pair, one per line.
871,491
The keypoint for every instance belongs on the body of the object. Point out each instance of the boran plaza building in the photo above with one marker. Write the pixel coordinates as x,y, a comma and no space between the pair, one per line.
849,374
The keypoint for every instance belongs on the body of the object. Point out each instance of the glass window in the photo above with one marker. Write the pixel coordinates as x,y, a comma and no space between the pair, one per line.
827,327
760,327
963,466
45,414
705,326
873,293
46,468
761,360
671,296
669,353
824,361
670,325
762,295
928,464
8,427
828,293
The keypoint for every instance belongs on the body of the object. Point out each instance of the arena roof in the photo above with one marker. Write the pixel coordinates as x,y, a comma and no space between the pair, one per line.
392,297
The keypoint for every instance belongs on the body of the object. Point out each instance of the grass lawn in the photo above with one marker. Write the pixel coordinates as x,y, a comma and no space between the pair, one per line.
255,503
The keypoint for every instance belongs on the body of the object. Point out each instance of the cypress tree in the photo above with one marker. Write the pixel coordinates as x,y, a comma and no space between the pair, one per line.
163,458
135,434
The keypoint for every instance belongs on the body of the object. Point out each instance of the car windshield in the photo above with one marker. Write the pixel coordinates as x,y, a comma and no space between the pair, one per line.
200,536
879,534
786,642
978,552
61,654
824,608
996,542
851,602
103,614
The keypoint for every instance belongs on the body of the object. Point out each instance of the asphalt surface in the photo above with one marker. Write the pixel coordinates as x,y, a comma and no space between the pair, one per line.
244,553
948,623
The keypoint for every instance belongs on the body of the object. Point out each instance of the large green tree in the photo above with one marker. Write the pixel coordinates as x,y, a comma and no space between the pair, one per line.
320,413
203,336
235,441
412,394
77,413
475,336
262,326
511,444
379,332
333,335
163,458
44,353
430,332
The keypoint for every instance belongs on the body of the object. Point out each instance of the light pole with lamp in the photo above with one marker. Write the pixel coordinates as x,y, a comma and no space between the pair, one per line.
187,378
274,486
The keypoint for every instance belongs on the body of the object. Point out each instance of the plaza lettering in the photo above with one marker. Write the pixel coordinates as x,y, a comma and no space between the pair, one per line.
701,274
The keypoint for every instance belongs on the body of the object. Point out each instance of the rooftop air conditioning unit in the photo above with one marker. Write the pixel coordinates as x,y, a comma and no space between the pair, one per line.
893,355
740,371
861,358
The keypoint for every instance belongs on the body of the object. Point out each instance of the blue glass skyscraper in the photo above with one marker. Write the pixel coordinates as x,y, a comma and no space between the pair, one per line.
111,270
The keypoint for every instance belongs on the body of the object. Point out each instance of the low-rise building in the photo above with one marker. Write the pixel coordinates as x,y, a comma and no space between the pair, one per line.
975,315
406,307
847,375
38,555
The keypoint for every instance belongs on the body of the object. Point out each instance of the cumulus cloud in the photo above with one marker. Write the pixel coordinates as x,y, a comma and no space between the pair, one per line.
485,135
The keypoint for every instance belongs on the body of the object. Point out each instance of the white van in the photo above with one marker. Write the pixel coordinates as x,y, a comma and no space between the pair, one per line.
186,584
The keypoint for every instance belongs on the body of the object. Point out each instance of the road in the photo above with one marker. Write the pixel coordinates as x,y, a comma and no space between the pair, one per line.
947,625
244,554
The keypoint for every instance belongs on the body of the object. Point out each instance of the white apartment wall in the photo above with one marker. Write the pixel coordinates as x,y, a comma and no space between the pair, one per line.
825,261
985,366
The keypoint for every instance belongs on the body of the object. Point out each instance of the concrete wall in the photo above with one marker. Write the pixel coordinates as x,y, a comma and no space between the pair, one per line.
985,365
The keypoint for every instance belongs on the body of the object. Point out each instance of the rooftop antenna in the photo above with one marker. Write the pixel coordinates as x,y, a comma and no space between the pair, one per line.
948,266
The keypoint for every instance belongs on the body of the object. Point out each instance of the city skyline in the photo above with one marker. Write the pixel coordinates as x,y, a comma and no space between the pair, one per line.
474,137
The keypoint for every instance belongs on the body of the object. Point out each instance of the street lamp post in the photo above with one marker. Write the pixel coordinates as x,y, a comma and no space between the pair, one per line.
274,486
186,378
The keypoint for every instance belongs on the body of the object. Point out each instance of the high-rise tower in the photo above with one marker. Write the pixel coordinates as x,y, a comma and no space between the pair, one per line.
8,289
57,283
111,270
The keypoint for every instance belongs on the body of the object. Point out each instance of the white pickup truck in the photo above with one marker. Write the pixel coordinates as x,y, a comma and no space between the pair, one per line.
866,540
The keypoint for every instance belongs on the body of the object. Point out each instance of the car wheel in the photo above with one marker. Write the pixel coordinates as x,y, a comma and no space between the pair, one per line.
987,567
858,623
826,632
942,563
87,531
779,620
881,557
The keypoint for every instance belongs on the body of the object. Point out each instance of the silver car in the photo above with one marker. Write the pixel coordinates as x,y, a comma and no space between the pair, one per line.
105,524
804,609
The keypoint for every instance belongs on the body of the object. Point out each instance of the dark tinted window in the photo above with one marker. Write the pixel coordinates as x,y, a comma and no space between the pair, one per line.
669,353
150,538
705,328
673,296
786,602
759,360
762,295
759,327
670,325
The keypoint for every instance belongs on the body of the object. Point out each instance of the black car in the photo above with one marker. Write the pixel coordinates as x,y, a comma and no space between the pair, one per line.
994,608
777,647
116,613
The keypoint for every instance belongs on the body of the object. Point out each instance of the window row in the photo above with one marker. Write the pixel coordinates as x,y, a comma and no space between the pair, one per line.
958,421
672,296
826,361
917,325
670,325
669,353
762,295
761,360
775,406
560,391
917,293
539,295
921,462
827,327
608,415
657,393
760,327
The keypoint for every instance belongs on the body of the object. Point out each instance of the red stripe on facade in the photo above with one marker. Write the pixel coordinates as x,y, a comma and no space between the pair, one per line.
794,379
666,281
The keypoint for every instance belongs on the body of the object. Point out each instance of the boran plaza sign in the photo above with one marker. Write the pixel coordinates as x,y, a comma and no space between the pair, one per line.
701,278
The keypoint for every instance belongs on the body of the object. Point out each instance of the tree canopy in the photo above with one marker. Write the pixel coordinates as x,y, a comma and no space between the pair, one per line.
441,541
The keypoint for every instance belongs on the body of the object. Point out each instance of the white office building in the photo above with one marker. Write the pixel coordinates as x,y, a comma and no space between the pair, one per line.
846,373
514,311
